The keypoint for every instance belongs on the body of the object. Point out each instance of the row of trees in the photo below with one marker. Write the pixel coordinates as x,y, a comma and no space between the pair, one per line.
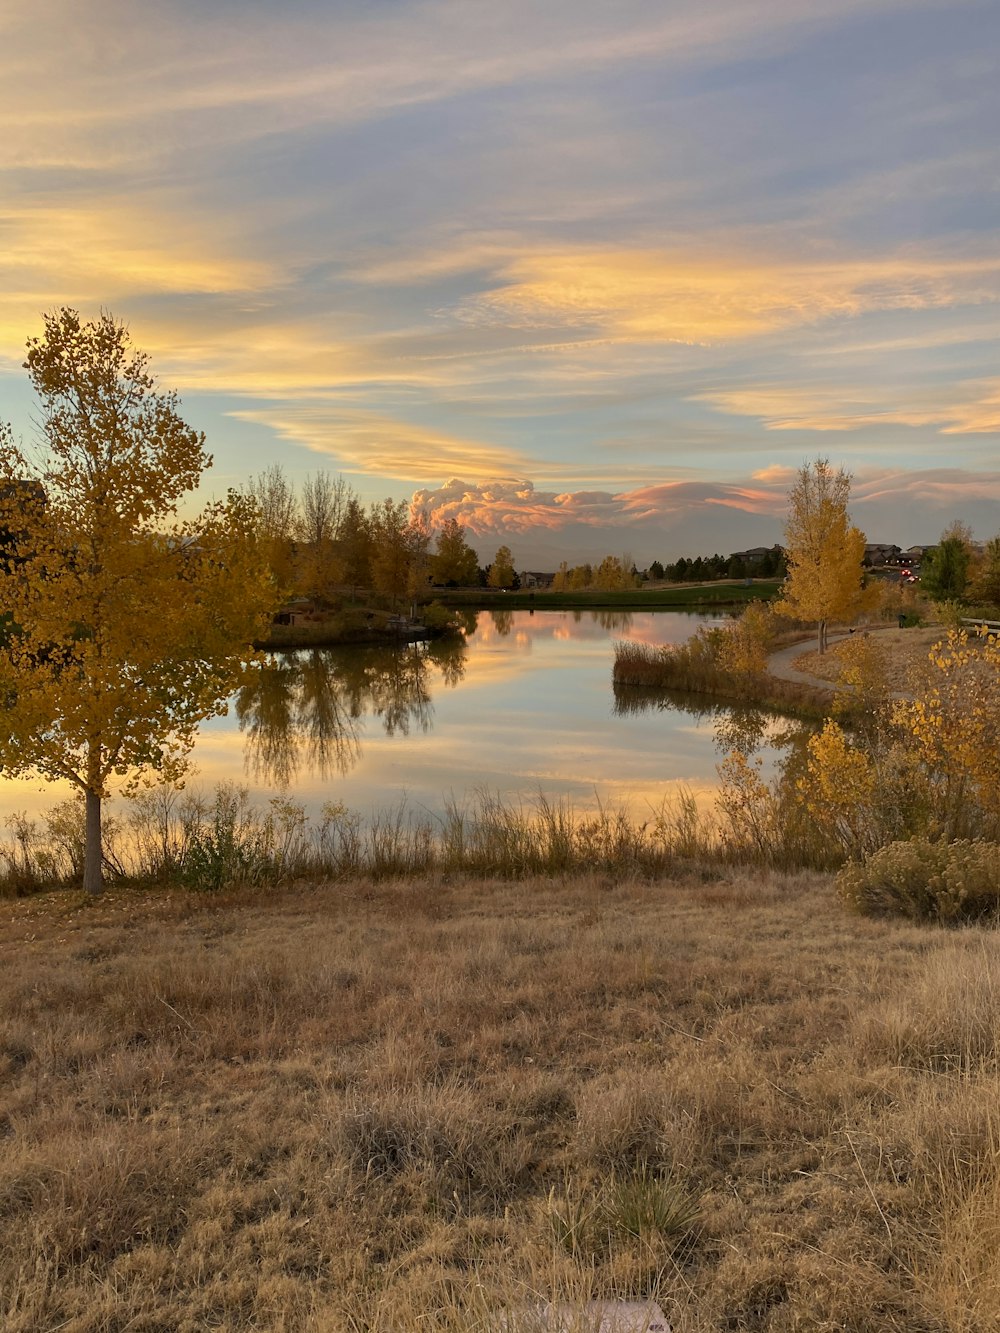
616,573
323,540
705,567
613,574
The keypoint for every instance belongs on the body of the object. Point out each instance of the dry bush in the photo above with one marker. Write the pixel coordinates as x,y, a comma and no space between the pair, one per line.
942,880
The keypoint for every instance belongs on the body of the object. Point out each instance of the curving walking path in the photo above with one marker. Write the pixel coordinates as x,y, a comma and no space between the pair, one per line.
779,664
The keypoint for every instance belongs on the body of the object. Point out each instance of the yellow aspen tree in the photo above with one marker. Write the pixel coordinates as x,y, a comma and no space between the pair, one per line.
951,727
839,789
502,569
824,551
399,544
125,626
744,649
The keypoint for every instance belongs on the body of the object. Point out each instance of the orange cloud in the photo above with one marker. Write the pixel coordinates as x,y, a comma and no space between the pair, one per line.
378,445
776,472
689,297
964,409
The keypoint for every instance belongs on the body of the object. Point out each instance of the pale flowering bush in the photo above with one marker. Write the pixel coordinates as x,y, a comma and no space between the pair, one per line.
944,880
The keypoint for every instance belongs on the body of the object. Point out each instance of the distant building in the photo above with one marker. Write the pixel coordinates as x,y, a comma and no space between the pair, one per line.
913,555
756,555
881,553
531,578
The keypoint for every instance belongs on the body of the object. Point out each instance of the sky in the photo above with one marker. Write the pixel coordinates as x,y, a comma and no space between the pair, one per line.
592,278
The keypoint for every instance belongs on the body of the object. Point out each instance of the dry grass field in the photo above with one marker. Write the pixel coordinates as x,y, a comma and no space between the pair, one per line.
421,1105
906,652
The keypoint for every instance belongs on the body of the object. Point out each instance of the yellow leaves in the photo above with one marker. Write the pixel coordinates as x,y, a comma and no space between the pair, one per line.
953,725
744,648
825,552
129,629
864,676
838,774
749,810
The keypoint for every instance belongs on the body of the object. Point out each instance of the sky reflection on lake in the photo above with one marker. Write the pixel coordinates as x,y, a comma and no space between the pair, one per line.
522,704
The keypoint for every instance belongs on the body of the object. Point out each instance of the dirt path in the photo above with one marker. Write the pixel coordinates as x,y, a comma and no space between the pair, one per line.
907,650
780,664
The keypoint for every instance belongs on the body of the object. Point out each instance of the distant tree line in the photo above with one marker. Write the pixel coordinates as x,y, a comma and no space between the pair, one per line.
613,574
322,543
704,568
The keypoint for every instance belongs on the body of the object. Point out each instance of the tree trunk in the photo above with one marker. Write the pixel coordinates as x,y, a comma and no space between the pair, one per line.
92,882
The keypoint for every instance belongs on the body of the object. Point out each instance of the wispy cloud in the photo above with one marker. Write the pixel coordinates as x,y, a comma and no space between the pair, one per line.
647,296
382,447
957,409
604,247
288,70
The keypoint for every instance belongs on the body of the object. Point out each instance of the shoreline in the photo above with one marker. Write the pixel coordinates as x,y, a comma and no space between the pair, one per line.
723,596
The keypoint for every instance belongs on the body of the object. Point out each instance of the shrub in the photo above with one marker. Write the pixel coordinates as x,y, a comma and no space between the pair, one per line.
922,879
653,1208
437,616
231,848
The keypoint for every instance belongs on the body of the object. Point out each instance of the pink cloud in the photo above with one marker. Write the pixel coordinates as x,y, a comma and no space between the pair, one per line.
669,519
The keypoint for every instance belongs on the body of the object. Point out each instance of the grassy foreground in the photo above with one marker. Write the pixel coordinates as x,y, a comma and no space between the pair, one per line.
416,1105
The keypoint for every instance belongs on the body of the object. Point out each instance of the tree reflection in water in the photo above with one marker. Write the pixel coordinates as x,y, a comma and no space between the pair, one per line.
303,710
738,726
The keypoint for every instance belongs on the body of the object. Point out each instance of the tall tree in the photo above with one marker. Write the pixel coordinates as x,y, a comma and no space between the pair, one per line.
987,586
128,627
324,504
278,520
613,574
354,544
454,562
824,550
945,570
399,548
502,569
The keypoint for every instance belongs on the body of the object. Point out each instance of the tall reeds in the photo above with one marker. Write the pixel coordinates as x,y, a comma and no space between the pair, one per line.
222,840
697,667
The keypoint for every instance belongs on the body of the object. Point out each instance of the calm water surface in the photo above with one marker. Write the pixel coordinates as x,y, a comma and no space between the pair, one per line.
522,703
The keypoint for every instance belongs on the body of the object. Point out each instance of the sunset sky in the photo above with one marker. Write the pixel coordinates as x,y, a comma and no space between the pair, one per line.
591,277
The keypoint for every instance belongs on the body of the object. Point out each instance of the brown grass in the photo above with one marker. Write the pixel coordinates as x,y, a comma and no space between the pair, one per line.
409,1105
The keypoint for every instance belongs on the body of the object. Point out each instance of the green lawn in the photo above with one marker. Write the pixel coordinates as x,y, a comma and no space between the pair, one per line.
644,599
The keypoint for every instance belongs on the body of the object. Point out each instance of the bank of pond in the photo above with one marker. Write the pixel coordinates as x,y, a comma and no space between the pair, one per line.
517,704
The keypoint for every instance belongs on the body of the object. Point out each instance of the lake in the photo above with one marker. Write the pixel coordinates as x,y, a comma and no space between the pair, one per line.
522,703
